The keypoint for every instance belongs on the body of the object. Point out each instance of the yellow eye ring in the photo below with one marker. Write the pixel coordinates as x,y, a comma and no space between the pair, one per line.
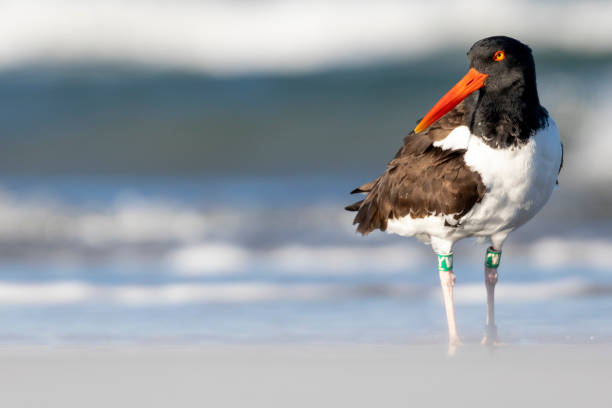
499,55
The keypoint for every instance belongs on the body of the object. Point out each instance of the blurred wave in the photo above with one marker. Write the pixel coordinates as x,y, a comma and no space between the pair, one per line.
296,258
242,259
179,168
228,37
195,232
589,164
58,293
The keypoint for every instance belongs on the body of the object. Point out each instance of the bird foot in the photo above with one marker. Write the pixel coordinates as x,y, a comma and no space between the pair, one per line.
453,344
490,338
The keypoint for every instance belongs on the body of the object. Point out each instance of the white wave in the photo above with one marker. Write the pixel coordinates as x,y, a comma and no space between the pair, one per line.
177,294
132,220
127,220
553,252
209,259
196,242
230,37
546,253
46,293
587,162
348,258
170,294
213,258
522,292
142,221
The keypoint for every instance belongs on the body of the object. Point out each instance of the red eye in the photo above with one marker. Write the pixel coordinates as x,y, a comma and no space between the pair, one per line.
499,55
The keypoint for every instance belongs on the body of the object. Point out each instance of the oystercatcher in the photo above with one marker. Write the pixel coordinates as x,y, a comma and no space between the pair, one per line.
482,162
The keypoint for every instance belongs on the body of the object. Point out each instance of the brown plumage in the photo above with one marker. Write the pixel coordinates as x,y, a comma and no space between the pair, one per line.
421,180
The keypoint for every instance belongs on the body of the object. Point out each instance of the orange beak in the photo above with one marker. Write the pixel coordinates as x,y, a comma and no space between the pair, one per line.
472,81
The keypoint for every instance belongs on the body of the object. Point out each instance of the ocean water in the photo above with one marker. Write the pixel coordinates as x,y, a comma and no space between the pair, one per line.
287,36
191,260
165,178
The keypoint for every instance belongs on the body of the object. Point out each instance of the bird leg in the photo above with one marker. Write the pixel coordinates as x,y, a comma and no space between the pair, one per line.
491,263
447,281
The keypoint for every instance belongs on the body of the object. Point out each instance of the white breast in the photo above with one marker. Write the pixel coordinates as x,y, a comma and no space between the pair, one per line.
519,182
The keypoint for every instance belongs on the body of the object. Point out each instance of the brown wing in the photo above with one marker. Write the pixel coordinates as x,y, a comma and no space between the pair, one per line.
418,143
421,180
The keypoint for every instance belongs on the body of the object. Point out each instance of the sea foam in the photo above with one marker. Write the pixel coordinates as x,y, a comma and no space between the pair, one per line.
71,292
237,37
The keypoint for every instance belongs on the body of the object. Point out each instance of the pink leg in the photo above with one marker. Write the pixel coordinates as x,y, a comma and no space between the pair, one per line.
447,281
491,264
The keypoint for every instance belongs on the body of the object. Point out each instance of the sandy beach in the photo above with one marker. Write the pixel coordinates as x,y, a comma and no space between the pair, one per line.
173,183
306,376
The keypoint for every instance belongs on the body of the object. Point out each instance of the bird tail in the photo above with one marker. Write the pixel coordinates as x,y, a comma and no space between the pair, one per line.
354,206
369,216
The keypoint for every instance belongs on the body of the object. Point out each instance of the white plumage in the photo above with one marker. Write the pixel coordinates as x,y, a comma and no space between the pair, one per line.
519,181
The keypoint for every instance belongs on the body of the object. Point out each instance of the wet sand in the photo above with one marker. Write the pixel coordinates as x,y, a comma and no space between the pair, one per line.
306,376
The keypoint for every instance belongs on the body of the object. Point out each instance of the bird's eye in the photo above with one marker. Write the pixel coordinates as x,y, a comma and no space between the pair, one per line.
499,55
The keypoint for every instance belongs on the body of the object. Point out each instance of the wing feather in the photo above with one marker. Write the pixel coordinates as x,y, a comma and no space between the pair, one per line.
421,180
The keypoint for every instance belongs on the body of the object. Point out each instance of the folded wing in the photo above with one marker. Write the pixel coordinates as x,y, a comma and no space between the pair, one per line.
421,180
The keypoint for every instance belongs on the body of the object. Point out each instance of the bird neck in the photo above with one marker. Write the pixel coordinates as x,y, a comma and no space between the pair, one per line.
507,117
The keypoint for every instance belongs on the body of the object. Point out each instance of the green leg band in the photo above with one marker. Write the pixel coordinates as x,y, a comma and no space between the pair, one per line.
493,258
445,262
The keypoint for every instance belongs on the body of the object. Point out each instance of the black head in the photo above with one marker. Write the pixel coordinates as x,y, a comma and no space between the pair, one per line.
501,97
506,110
506,61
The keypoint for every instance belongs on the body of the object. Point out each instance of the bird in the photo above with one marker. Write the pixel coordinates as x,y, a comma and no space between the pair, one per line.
481,163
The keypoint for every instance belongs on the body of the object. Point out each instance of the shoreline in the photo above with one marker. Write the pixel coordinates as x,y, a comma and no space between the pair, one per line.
304,375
